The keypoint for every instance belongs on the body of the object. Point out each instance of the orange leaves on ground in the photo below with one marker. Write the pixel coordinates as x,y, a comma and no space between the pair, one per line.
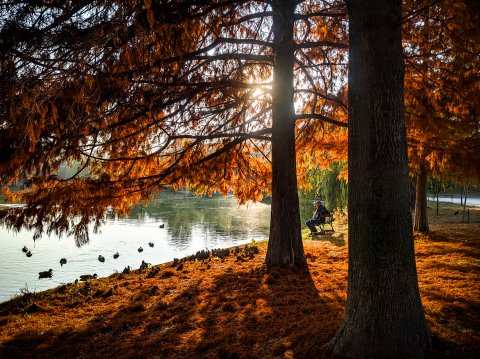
240,308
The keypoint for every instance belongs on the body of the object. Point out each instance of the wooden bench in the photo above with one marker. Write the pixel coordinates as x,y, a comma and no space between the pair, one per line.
328,222
326,227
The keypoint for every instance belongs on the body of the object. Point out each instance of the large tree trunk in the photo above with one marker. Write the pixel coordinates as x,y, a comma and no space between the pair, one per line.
285,247
384,315
421,215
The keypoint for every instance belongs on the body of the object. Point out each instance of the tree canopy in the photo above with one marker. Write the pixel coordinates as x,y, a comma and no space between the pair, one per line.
442,88
154,94
147,95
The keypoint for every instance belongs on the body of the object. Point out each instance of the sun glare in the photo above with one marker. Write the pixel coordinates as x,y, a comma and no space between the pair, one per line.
258,92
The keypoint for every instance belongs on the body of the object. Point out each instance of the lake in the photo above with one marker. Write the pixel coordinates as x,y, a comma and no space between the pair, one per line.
190,224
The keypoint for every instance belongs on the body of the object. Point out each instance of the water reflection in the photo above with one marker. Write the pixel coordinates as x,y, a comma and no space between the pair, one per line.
189,224
184,215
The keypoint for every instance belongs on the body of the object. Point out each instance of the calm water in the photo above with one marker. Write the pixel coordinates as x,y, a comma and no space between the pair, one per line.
190,224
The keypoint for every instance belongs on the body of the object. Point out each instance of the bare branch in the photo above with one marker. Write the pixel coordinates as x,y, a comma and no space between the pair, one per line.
318,116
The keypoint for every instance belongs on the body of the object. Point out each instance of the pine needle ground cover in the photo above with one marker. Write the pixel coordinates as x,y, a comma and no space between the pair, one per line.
237,308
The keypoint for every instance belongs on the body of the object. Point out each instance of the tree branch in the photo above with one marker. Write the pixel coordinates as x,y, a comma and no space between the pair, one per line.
310,44
318,116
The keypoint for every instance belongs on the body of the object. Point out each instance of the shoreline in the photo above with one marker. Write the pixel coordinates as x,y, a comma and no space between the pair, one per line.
116,272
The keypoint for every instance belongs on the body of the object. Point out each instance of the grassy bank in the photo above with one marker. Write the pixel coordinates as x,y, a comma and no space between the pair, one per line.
236,308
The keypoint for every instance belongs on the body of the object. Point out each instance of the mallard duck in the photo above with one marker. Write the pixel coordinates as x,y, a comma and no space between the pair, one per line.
28,254
101,258
116,255
85,277
24,249
151,244
63,261
145,265
45,274
140,249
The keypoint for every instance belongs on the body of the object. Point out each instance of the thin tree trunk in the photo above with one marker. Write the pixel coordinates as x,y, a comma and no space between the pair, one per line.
413,194
285,247
384,315
421,214
465,190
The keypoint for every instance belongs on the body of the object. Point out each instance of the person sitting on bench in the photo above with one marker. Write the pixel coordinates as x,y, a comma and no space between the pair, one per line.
318,217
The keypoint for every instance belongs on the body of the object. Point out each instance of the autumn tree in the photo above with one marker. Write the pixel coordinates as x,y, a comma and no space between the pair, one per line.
211,96
384,315
442,76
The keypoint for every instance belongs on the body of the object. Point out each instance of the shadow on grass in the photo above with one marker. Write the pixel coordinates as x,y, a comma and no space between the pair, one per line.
453,319
245,313
470,248
338,240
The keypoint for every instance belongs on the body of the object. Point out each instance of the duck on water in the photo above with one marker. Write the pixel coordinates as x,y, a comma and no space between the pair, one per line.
85,277
45,274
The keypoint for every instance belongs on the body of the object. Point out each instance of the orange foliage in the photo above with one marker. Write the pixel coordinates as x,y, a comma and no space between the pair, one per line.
147,95
442,88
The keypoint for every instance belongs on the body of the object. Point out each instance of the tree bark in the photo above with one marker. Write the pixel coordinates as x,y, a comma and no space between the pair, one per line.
285,247
421,214
384,315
